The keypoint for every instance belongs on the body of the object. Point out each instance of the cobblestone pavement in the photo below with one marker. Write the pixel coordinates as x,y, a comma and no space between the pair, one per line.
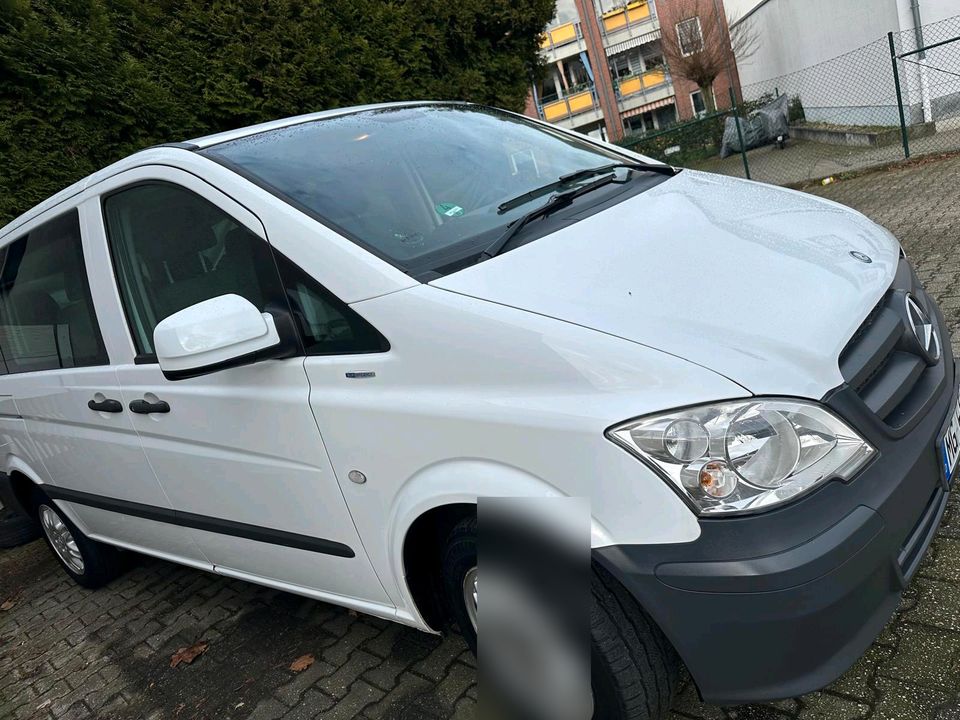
66,652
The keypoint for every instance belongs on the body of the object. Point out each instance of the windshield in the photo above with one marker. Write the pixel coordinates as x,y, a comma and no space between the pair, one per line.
417,185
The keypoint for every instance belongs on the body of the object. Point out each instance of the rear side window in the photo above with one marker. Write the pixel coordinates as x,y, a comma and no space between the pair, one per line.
47,320
172,249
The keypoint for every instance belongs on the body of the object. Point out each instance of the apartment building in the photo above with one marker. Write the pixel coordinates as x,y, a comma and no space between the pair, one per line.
606,73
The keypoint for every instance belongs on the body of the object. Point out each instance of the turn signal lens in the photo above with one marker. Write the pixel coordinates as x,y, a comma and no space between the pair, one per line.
712,477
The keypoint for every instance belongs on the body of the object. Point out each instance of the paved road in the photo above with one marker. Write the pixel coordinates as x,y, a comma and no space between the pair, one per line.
69,653
803,160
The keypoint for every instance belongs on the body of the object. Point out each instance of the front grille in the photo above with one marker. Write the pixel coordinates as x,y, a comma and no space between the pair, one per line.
883,363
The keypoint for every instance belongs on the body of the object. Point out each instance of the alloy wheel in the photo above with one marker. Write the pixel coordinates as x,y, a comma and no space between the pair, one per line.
470,595
61,539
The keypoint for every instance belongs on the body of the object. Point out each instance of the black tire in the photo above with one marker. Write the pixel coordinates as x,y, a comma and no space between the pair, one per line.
16,528
459,556
634,668
101,563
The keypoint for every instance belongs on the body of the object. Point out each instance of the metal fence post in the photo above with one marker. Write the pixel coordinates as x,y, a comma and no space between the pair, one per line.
896,81
736,119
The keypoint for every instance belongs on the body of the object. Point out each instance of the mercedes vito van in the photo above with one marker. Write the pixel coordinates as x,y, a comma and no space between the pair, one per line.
298,353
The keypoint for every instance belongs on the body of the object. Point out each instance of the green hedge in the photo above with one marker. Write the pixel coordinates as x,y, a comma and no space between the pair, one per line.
86,82
690,142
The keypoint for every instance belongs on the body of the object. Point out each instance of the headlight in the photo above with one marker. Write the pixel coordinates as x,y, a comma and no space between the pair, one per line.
746,455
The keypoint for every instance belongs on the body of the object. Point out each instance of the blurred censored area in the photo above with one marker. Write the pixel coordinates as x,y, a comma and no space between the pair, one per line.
533,649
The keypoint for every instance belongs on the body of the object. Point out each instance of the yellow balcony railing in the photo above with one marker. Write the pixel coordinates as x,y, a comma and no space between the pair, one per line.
559,35
638,83
570,105
634,12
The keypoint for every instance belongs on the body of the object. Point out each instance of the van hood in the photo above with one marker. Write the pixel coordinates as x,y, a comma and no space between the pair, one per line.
755,282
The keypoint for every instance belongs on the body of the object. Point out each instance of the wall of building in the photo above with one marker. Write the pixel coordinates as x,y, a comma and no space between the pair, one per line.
834,56
795,35
932,11
930,93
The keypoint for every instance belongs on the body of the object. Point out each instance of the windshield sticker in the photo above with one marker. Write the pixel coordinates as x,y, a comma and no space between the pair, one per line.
449,209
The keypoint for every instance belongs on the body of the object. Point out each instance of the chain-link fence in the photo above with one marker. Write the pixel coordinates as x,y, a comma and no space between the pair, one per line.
894,98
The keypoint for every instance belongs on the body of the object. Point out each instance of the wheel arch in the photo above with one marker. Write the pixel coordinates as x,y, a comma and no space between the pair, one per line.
422,554
428,506
23,481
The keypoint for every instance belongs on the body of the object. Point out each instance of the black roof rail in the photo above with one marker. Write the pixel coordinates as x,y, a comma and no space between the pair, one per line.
178,145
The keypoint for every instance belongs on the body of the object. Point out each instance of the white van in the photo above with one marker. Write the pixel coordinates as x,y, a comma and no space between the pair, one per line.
298,354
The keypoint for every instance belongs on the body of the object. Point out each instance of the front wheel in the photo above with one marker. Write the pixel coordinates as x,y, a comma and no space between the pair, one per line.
90,563
634,669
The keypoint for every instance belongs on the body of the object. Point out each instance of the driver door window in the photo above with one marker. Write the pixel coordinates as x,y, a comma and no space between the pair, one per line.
172,249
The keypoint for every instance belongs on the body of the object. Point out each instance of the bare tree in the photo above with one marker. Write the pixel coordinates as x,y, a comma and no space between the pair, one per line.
704,43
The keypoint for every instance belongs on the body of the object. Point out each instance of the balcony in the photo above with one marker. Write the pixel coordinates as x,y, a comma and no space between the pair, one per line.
636,19
640,83
634,13
562,41
573,104
560,35
638,90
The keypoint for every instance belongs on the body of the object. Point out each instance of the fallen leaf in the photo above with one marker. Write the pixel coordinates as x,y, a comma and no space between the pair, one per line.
302,663
10,602
187,655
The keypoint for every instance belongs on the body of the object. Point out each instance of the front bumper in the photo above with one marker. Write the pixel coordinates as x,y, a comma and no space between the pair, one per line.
782,603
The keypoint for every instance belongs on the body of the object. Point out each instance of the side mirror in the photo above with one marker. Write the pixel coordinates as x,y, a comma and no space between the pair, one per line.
216,334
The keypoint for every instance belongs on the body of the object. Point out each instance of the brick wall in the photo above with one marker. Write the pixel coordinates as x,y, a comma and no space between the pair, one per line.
669,12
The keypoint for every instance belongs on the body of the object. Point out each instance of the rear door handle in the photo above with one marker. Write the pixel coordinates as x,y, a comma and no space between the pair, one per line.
144,407
105,405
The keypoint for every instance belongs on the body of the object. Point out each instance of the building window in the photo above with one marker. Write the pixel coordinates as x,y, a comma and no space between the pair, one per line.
690,35
666,116
577,75
637,124
699,106
607,6
566,12
620,66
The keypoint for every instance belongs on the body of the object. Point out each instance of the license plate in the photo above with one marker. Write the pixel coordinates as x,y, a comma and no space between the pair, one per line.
950,443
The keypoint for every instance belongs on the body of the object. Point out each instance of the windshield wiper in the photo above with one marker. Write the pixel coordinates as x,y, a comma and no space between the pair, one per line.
668,170
556,202
580,175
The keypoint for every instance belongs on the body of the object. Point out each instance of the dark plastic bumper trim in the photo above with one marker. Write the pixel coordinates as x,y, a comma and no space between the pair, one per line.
781,571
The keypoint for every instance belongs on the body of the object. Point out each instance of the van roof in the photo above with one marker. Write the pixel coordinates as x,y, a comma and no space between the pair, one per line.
150,154
208,140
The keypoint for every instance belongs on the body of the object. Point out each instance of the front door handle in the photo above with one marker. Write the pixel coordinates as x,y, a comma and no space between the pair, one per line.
144,407
105,405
